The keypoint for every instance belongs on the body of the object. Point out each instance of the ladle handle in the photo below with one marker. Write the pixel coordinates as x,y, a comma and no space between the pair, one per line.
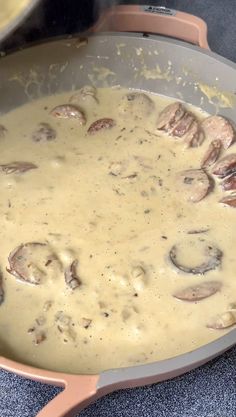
155,20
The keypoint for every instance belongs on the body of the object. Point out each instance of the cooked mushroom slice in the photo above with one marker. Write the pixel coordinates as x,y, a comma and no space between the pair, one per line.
197,231
183,125
39,337
71,277
85,323
136,105
44,133
117,168
17,167
101,124
65,326
212,153
229,200
85,96
194,136
212,254
47,305
194,184
69,111
33,263
223,320
225,166
138,278
3,131
1,291
88,90
170,116
219,128
229,183
198,292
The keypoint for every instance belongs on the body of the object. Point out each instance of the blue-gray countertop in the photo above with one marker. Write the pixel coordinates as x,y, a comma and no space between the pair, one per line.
209,391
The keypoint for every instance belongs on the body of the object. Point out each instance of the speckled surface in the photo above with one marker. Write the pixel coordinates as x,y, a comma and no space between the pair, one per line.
209,391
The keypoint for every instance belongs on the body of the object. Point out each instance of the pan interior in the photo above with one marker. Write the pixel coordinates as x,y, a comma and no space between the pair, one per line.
98,214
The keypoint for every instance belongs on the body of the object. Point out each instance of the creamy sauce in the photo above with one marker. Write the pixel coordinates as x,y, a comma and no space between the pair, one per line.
110,201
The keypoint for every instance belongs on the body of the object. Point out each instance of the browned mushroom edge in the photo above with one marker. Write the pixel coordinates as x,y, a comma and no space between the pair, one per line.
214,260
17,167
101,124
71,277
21,268
198,292
2,295
44,133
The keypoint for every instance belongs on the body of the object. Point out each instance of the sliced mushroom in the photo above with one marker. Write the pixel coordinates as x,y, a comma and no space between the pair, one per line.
198,292
136,105
17,167
65,326
88,90
181,128
212,254
229,183
194,184
47,305
223,320
229,200
40,336
44,133
138,278
219,128
194,136
71,277
197,231
69,111
3,131
1,291
40,321
101,124
85,323
34,262
117,168
212,153
178,122
86,96
225,166
170,116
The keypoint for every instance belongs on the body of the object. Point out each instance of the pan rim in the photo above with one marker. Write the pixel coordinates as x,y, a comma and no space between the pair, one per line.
135,375
176,365
144,36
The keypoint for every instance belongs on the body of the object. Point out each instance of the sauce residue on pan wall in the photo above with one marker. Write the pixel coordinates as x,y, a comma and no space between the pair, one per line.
116,249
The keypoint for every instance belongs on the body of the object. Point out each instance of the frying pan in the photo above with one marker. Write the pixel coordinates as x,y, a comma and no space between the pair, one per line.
184,71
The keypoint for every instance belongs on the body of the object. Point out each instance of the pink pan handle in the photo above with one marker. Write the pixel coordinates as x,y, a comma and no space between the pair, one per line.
148,19
79,390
